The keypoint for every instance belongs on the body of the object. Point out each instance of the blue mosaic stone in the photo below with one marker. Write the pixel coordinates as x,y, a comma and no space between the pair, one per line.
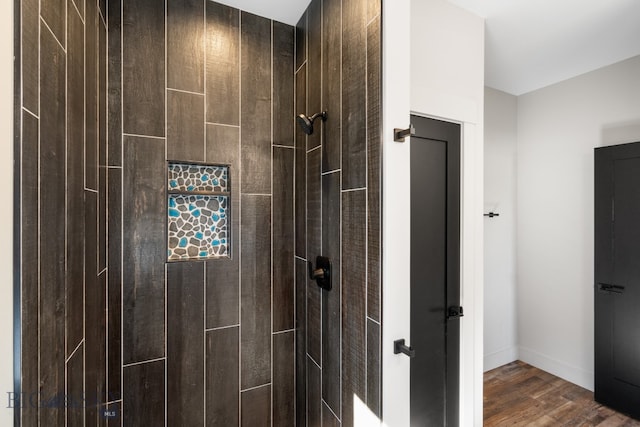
174,213
199,236
183,242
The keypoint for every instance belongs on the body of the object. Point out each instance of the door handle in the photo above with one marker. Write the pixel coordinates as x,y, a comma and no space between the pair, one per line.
455,312
606,287
400,347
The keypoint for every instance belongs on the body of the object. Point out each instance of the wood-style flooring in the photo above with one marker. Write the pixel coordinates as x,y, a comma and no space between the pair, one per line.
518,394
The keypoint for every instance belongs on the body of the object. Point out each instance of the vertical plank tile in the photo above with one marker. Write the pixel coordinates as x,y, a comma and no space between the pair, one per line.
283,258
185,126
301,342
314,395
91,96
314,321
284,379
52,233
143,249
374,168
223,64
256,407
95,353
223,386
185,344
75,181
114,298
353,301
102,218
301,41
314,71
91,305
354,129
373,367
331,309
314,249
329,418
114,76
102,93
283,82
301,168
185,45
223,275
53,12
143,399
314,204
75,388
29,245
256,104
331,84
143,61
256,291
30,54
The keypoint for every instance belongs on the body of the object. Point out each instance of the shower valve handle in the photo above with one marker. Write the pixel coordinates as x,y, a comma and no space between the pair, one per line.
322,273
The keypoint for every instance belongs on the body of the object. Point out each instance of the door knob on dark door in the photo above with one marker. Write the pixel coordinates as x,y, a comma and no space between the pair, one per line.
400,347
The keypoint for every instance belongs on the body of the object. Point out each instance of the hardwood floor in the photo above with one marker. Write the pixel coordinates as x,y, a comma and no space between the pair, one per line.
518,394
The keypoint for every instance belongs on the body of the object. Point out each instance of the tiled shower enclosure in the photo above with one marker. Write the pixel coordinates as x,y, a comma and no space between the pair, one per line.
149,298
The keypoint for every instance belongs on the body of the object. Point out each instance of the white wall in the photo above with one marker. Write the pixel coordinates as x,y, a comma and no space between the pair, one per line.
433,66
500,139
6,195
558,127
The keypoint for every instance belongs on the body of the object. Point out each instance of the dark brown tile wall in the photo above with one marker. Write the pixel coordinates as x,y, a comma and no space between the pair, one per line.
111,91
337,210
63,194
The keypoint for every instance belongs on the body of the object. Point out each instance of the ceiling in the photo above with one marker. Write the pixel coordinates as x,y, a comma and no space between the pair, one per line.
529,43
287,11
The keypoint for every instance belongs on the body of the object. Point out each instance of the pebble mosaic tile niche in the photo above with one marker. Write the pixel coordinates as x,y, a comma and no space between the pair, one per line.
198,212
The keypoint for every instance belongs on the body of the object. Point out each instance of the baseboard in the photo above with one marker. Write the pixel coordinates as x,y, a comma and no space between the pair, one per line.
560,369
500,358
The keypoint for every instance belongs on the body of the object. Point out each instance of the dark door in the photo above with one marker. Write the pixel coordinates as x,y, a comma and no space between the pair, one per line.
435,272
617,277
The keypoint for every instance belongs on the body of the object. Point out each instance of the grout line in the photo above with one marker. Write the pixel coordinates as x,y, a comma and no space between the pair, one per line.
314,361
331,410
314,149
331,172
282,146
184,91
74,351
103,271
373,20
255,388
166,227
300,258
113,167
239,231
104,21
66,213
341,207
91,190
222,124
301,65
143,136
78,11
283,332
222,328
374,321
121,219
128,365
366,212
35,116
271,215
351,190
53,34
113,402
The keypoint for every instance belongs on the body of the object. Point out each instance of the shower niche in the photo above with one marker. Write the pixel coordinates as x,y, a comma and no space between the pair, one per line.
198,211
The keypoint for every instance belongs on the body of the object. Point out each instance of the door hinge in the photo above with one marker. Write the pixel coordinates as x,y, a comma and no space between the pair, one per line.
399,135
